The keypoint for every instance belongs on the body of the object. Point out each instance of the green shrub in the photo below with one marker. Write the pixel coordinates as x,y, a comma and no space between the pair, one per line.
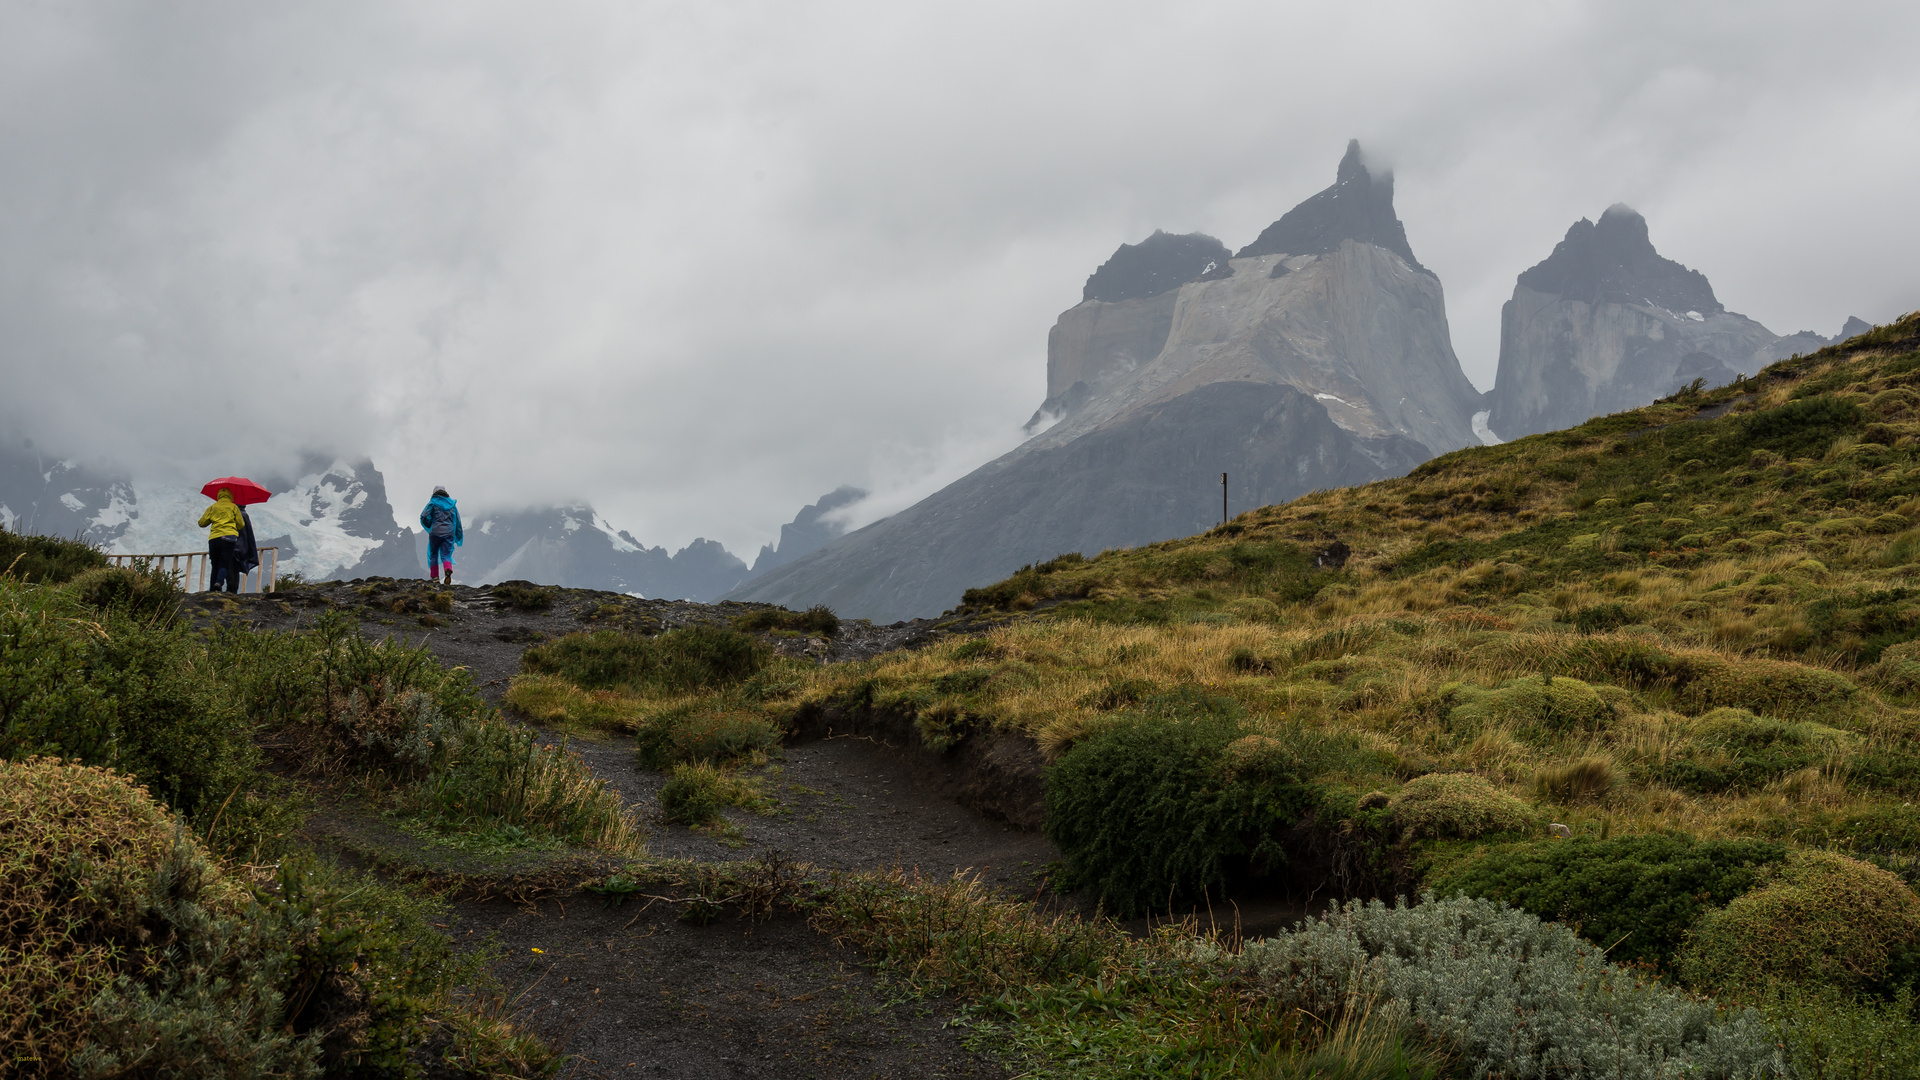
692,796
818,621
1634,663
714,731
1255,609
1633,896
1601,618
1802,428
341,703
1508,994
1462,805
1829,1034
1898,669
679,661
1540,707
110,689
1119,694
45,560
522,595
1824,919
1146,813
138,590
132,953
1883,830
1732,750
980,648
1773,688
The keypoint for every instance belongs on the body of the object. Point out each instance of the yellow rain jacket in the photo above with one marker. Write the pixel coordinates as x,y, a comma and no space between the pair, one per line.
223,517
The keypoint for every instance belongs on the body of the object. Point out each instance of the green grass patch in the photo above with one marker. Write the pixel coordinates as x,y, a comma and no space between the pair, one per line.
816,621
676,662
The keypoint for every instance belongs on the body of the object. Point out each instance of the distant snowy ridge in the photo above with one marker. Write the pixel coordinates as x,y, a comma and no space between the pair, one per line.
335,521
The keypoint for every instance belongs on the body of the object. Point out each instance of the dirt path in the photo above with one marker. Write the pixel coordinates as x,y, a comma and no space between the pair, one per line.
644,994
638,992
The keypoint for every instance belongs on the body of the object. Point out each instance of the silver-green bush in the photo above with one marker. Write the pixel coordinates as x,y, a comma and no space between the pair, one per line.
1515,997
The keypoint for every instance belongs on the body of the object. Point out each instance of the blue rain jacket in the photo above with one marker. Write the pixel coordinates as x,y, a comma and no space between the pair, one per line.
441,518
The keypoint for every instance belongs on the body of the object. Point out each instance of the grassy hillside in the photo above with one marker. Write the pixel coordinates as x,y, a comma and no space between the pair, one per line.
1656,677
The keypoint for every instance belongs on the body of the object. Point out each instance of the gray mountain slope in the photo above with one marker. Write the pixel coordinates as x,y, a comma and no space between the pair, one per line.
1150,475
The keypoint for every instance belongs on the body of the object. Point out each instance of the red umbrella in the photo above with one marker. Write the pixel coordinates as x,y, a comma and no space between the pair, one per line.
245,491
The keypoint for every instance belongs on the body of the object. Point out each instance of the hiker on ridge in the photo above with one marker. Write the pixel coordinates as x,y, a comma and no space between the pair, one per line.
441,519
223,522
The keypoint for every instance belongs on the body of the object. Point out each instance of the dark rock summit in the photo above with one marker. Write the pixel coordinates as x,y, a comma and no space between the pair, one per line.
1614,262
1161,262
1359,206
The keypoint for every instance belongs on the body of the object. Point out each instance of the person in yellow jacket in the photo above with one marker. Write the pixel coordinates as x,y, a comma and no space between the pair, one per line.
223,523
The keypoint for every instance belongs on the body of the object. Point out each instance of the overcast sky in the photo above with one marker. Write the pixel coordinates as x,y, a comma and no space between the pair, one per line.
699,263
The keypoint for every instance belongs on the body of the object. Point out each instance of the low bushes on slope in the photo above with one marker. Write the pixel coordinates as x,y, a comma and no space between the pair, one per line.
181,712
113,689
818,620
1634,896
1541,708
1824,919
1732,750
127,951
141,591
676,662
1513,996
1456,806
338,703
45,560
1173,802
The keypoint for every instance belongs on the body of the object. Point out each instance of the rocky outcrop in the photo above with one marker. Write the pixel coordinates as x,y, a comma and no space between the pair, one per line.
1606,323
1358,207
1318,357
813,528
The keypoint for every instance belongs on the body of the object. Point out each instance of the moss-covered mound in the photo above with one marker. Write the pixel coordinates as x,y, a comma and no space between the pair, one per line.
1824,919
102,893
1457,805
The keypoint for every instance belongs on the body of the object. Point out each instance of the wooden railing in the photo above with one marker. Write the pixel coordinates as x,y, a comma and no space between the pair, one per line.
191,568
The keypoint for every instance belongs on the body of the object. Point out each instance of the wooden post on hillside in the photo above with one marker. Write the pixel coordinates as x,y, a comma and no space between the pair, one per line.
1223,498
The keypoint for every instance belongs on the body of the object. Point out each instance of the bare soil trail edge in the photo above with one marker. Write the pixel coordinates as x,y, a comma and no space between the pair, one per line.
636,991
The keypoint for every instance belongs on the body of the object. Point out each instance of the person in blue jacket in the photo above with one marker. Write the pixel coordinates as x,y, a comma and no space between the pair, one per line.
441,519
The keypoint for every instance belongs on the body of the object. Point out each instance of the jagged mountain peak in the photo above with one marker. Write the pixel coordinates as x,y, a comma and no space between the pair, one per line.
1614,261
811,529
1161,262
1359,206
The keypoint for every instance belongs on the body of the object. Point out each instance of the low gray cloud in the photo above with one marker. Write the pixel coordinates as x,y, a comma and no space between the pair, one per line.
700,263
